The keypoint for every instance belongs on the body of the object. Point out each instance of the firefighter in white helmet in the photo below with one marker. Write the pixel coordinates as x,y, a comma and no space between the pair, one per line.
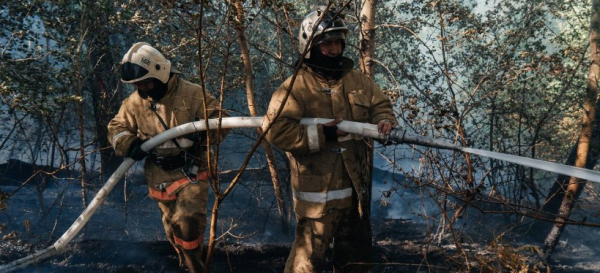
175,171
330,170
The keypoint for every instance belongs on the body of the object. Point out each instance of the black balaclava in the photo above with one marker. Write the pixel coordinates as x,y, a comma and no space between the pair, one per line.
328,67
159,90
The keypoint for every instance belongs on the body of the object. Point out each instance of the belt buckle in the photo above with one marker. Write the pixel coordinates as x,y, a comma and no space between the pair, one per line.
327,91
338,149
192,177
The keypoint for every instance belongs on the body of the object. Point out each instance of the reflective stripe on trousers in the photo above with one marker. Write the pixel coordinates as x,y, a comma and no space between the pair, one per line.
323,197
188,245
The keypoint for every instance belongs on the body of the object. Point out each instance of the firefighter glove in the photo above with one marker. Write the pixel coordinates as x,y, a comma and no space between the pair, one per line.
135,150
330,132
197,136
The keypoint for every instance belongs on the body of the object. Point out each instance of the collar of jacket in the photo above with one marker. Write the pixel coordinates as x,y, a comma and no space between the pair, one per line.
172,84
347,66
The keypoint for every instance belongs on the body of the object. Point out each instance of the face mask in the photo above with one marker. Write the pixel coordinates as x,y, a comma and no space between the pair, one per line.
329,67
159,90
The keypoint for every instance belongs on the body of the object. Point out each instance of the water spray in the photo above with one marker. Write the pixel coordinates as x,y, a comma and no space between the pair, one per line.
364,129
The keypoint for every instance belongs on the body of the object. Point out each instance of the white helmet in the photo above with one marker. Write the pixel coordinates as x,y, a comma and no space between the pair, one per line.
143,61
330,27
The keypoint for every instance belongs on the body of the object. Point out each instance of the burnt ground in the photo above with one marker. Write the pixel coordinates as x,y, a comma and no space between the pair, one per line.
395,250
125,234
389,254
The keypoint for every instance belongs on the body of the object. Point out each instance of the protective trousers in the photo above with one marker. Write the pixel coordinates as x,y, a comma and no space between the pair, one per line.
184,220
351,237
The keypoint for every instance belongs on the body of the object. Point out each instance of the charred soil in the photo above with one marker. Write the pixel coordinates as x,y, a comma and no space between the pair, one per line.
126,235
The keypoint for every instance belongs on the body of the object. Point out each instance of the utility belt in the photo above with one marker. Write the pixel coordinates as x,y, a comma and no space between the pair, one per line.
162,192
171,162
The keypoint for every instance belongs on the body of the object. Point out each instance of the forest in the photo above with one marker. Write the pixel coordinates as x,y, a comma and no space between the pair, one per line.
518,78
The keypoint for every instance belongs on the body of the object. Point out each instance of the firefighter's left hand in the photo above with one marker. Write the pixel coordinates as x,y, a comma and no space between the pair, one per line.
135,150
197,136
384,127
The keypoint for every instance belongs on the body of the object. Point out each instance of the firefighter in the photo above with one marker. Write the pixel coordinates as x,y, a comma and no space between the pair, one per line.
330,169
175,171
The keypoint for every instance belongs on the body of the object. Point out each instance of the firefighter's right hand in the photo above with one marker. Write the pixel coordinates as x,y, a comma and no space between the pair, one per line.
135,150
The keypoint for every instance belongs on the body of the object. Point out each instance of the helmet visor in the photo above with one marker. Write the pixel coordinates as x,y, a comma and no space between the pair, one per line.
330,36
131,71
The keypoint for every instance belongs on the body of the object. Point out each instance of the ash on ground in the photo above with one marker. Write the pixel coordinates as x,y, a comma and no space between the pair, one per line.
126,235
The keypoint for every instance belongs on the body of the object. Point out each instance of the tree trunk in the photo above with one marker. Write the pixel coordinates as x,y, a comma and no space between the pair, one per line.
78,68
367,50
574,187
557,192
367,37
102,82
249,79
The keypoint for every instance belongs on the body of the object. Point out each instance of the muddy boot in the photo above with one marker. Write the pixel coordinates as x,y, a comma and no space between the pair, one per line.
193,260
179,256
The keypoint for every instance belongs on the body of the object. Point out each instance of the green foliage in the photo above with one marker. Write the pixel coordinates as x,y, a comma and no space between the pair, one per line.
43,67
505,76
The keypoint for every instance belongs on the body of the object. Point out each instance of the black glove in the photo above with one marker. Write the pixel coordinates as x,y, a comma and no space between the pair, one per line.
330,132
135,150
197,136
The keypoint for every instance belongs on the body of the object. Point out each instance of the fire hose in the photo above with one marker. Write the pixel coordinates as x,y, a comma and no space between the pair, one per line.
364,129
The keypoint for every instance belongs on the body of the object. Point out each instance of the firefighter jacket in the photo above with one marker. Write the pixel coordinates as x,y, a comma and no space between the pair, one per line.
182,103
324,173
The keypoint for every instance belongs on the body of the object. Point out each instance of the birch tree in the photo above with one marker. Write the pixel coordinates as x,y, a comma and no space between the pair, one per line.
367,36
585,138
